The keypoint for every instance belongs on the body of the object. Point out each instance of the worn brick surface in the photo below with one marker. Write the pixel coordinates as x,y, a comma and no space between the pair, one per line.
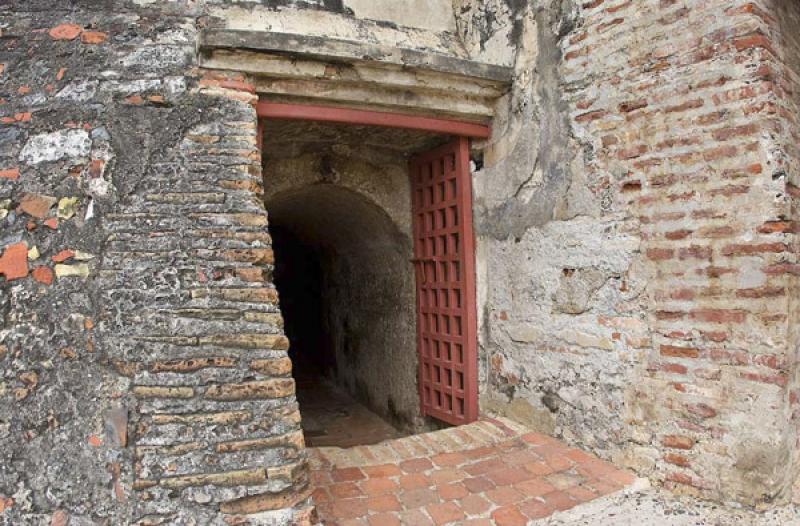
377,492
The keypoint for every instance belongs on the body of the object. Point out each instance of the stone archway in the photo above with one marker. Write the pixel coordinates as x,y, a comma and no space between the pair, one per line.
339,204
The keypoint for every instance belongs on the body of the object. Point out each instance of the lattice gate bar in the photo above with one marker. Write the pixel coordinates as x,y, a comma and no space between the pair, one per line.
444,257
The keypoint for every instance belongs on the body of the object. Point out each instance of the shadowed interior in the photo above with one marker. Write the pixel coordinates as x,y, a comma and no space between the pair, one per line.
347,296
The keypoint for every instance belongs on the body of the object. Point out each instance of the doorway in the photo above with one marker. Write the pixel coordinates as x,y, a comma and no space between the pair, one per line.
349,275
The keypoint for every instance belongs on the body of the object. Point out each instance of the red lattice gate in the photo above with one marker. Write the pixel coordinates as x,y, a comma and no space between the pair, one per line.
444,257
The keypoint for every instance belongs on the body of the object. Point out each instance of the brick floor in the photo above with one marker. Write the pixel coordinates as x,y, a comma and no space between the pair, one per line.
492,472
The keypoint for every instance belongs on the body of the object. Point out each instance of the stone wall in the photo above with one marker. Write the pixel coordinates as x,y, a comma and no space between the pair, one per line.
144,373
635,217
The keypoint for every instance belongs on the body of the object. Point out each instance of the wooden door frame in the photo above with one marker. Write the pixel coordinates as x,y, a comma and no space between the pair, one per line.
340,115
464,130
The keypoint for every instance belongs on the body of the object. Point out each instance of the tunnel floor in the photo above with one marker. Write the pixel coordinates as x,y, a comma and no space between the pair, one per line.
332,418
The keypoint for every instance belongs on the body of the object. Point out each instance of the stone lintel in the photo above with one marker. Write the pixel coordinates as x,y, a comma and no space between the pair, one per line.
348,51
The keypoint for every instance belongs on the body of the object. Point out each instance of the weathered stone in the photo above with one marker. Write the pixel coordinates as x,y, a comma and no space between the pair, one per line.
279,388
248,477
294,440
192,365
143,391
263,502
224,418
277,367
48,147
59,518
247,341
66,207
80,270
116,427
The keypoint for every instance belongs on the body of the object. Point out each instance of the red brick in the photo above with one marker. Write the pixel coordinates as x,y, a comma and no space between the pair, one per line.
535,509
695,252
449,459
377,486
702,410
505,495
452,491
9,173
63,256
416,465
414,481
777,379
591,116
346,490
508,475
478,484
509,516
660,254
346,474
539,468
446,475
724,134
65,32
534,487
718,315
678,460
384,470
679,352
43,275
384,519
559,500
36,205
349,508
418,498
445,513
321,495
633,105
581,493
753,41
93,37
383,503
14,262
484,466
677,442
415,517
474,504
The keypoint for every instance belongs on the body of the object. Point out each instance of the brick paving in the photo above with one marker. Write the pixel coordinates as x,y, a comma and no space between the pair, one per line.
489,473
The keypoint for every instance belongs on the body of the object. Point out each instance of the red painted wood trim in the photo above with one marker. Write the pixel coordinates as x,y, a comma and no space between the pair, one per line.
310,112
426,199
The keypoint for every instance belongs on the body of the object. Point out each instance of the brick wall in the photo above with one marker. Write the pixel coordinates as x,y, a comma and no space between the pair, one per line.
679,101
784,23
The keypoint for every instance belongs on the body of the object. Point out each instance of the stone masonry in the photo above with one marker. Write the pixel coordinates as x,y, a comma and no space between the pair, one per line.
635,214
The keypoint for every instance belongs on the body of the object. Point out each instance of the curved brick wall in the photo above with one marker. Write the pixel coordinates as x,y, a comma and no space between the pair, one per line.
145,377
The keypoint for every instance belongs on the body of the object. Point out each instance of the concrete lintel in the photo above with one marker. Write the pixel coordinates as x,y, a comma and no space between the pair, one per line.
348,51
